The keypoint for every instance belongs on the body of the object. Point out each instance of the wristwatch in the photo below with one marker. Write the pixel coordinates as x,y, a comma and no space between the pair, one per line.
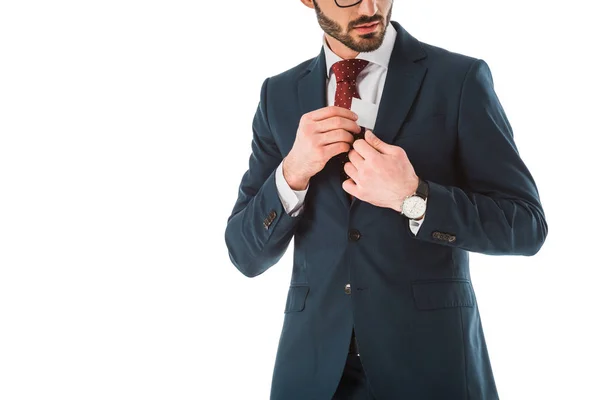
413,206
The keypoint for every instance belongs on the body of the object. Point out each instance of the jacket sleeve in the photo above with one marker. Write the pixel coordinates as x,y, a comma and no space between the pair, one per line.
259,230
497,210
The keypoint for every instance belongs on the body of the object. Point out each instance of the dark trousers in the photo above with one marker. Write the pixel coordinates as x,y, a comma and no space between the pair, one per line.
353,384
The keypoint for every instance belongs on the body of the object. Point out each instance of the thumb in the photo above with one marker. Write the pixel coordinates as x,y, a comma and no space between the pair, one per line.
375,142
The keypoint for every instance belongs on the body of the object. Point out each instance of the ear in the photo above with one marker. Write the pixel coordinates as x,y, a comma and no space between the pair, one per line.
308,3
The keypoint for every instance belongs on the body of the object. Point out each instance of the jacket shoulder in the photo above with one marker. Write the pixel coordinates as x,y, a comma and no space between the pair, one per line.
446,61
291,75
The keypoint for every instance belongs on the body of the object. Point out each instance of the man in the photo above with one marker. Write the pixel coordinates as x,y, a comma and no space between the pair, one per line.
380,303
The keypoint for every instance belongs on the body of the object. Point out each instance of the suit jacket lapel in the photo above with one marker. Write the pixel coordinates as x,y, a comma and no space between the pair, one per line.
401,86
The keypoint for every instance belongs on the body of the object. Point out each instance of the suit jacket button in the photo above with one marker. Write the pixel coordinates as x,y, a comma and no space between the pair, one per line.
353,234
272,214
348,289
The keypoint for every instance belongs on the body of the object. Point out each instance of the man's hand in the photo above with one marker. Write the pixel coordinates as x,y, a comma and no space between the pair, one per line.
380,173
321,134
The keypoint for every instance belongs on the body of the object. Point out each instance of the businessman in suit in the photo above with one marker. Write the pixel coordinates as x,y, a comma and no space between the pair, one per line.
380,303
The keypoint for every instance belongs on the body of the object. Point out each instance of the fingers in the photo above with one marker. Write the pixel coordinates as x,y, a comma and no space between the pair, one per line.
351,170
335,148
336,122
351,187
364,149
331,111
355,158
337,135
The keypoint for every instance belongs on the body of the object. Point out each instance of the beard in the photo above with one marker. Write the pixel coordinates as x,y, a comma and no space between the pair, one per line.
367,42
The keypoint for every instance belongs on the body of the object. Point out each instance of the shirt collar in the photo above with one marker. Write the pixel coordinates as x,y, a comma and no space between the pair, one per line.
380,56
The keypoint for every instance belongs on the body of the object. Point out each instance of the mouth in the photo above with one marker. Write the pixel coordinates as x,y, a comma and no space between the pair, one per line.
366,28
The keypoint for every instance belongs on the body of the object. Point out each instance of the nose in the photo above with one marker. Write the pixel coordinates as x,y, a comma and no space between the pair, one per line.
367,7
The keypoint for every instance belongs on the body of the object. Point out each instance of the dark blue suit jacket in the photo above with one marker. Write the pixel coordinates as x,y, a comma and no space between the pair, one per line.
411,303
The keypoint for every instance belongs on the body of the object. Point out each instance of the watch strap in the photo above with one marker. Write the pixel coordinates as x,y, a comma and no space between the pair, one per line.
422,189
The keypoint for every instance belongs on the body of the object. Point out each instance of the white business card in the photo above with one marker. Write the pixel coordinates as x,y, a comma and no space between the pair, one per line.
367,112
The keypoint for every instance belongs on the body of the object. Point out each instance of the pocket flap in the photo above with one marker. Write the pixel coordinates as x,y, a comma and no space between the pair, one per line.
296,298
433,294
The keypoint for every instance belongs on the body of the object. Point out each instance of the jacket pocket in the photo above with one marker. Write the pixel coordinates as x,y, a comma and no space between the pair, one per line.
443,293
296,298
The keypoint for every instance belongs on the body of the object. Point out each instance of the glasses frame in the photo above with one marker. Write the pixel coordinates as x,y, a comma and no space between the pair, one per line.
351,5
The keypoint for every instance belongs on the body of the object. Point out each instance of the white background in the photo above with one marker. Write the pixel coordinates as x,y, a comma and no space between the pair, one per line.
125,130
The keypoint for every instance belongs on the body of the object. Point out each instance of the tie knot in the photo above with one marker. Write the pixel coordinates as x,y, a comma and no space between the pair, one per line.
348,70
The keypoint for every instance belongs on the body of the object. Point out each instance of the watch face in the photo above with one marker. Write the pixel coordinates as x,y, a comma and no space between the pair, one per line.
413,207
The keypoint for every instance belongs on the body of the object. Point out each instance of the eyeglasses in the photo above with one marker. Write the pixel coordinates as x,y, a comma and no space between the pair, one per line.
346,3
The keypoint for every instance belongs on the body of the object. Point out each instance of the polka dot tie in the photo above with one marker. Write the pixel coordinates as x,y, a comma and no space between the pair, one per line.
346,72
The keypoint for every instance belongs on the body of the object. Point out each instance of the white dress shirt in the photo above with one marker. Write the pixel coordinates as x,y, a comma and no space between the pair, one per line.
369,82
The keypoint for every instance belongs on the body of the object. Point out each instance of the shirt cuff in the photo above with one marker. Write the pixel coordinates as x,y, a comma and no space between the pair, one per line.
415,225
292,200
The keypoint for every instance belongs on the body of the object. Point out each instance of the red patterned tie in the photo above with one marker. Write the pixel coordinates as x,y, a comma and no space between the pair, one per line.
346,72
